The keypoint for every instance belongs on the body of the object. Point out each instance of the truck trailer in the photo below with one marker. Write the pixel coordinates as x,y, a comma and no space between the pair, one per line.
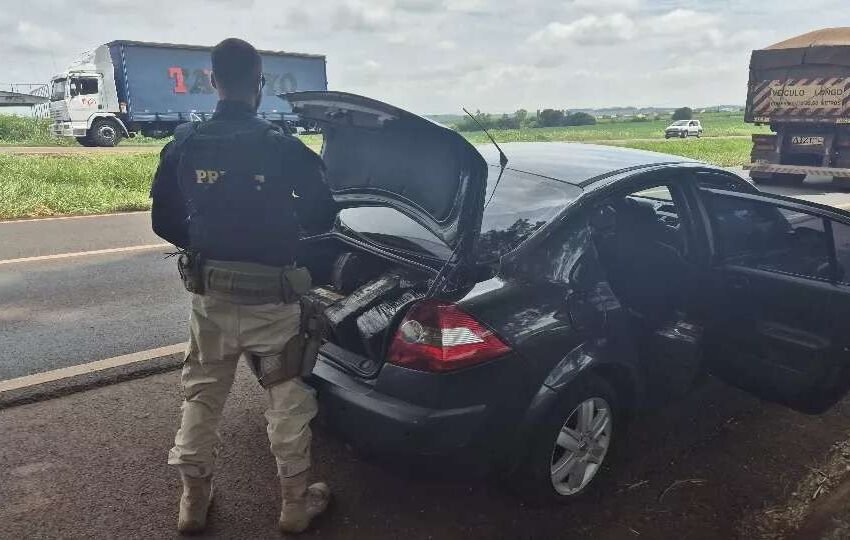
801,89
123,88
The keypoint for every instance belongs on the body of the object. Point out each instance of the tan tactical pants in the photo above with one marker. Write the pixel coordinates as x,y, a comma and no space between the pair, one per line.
221,332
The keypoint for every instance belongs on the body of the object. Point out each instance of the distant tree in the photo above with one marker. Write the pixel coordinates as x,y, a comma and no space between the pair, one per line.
579,119
683,113
468,124
551,118
521,115
506,122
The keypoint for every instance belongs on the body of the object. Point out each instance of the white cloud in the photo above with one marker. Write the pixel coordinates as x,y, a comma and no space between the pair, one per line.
422,6
588,30
432,56
361,16
607,5
466,6
35,38
680,21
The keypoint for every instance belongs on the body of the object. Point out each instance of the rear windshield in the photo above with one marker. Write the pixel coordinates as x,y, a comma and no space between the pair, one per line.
522,204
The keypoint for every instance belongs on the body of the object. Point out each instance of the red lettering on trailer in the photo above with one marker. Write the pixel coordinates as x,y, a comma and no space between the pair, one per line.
176,73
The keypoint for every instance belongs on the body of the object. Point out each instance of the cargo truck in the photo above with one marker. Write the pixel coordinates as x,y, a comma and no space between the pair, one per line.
124,88
801,89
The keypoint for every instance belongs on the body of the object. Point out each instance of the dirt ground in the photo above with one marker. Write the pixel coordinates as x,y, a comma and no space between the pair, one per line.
716,465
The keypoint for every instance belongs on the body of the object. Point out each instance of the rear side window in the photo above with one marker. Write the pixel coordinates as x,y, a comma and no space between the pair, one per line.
768,237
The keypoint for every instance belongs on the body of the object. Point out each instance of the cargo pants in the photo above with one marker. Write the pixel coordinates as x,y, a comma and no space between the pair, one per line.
220,333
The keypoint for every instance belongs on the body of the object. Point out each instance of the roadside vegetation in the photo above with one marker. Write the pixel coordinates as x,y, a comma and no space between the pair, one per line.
26,131
726,152
23,131
34,186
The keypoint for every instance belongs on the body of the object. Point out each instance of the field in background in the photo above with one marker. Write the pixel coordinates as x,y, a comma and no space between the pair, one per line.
726,152
714,125
33,186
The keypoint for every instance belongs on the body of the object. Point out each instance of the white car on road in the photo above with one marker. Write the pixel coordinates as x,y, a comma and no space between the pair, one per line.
683,128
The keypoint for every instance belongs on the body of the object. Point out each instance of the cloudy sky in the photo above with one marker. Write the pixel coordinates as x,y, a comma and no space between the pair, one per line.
434,56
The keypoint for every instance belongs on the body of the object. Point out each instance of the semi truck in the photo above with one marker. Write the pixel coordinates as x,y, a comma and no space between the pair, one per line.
124,88
800,87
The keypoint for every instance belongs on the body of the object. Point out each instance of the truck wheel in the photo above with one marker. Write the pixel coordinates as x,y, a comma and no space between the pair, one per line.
699,134
105,133
85,141
683,135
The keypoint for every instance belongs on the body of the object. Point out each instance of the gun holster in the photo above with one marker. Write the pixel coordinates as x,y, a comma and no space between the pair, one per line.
190,267
299,354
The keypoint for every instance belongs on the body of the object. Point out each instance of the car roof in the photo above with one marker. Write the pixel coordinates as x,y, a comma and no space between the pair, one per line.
576,163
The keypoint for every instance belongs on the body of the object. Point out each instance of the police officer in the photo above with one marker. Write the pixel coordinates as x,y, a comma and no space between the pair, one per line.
235,193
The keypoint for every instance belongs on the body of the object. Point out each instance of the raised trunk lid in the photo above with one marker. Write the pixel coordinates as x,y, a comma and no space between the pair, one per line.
379,155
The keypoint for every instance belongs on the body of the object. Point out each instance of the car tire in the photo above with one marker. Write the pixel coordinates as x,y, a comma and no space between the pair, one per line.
683,134
699,134
105,133
536,479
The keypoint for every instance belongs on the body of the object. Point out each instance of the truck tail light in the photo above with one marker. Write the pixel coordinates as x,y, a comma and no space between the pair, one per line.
439,336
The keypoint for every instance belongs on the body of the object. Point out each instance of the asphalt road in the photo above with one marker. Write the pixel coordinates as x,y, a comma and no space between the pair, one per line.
65,311
58,312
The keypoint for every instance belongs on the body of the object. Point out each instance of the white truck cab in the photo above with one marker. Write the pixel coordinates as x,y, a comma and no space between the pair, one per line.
84,102
683,128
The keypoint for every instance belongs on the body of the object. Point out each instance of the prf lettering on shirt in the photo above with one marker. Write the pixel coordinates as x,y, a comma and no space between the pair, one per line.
203,176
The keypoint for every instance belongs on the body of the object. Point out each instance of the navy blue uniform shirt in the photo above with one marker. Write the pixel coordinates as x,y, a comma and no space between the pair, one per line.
314,207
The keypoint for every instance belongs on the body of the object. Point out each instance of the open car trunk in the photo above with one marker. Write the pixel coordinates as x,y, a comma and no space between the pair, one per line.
363,297
376,154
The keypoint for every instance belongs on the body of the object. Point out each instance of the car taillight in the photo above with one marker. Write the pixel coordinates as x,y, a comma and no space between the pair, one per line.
439,336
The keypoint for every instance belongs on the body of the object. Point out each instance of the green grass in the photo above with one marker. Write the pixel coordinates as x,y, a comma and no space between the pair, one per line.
723,152
32,186
715,125
24,131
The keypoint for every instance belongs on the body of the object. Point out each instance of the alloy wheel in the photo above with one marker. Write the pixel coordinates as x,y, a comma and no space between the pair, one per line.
581,446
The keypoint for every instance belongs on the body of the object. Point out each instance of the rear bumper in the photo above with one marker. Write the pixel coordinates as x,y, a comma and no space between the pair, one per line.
797,169
375,421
